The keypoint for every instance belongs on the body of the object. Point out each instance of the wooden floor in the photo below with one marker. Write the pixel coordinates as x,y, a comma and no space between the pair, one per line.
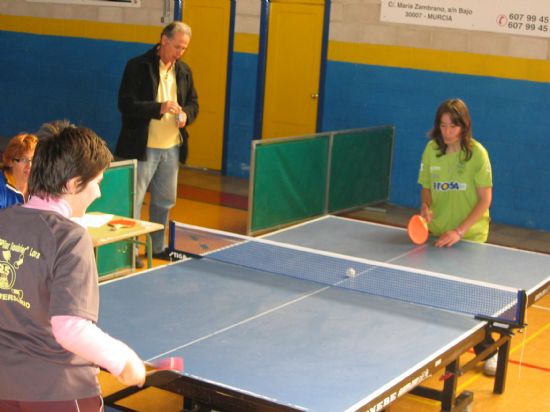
208,200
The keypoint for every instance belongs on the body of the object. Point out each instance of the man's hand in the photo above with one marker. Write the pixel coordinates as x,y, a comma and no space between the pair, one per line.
170,107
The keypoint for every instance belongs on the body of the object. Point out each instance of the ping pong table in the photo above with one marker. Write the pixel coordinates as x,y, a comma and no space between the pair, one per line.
255,340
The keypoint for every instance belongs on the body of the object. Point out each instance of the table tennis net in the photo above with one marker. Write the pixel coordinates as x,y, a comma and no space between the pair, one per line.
478,299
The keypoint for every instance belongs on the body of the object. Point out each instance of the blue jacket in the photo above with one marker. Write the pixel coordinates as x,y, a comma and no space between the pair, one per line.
9,196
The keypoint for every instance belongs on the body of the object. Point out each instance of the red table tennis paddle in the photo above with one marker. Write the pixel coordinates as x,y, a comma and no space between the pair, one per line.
174,363
418,229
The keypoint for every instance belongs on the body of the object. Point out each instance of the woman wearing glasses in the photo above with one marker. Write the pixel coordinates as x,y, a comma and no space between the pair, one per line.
16,167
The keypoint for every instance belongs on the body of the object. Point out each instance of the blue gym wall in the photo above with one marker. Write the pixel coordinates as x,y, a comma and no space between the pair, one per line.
511,118
54,77
45,78
241,114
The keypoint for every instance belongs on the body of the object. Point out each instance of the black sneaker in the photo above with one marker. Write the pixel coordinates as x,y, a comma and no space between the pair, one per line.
164,255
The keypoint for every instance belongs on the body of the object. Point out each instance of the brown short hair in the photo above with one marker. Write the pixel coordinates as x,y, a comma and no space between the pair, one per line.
64,152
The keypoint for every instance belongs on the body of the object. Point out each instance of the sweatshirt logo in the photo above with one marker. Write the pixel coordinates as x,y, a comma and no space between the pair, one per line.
449,186
12,257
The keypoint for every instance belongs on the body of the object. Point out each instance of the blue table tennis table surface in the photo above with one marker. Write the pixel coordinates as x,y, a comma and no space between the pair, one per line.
300,343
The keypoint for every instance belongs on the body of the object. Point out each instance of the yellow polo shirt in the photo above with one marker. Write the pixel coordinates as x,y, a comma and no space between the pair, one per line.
164,133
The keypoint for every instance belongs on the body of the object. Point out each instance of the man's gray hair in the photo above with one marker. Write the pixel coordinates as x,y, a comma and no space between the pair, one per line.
176,27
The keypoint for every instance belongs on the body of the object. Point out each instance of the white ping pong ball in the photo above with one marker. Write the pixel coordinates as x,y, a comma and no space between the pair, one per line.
350,272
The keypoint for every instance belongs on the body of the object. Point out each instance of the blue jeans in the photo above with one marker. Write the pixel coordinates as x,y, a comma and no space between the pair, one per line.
160,173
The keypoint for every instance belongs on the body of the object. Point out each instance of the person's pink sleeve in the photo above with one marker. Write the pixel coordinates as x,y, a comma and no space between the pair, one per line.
83,338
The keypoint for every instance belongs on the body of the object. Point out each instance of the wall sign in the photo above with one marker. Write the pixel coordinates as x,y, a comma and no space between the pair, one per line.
522,17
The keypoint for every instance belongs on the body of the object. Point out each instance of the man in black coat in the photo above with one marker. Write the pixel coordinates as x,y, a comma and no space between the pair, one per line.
157,100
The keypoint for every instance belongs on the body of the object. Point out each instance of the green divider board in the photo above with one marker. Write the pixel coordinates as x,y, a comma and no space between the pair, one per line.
289,181
360,167
117,197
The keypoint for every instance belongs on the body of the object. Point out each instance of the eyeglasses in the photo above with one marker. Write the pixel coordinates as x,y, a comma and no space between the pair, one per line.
22,160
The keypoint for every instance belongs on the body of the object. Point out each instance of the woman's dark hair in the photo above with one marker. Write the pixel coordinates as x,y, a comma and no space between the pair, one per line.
460,116
65,151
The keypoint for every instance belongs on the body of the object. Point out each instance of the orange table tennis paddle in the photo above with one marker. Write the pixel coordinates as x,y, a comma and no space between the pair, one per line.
418,229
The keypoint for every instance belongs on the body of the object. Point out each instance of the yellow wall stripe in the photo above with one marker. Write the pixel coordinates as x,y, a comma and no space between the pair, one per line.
80,28
441,61
246,43
361,53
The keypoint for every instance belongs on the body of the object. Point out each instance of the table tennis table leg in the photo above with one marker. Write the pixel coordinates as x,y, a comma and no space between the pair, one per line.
449,401
449,386
502,367
447,396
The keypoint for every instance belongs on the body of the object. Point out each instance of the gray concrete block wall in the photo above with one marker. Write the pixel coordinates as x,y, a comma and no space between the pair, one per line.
354,21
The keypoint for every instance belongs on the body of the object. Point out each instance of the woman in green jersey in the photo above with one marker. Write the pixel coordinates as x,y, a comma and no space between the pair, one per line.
456,178
457,182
